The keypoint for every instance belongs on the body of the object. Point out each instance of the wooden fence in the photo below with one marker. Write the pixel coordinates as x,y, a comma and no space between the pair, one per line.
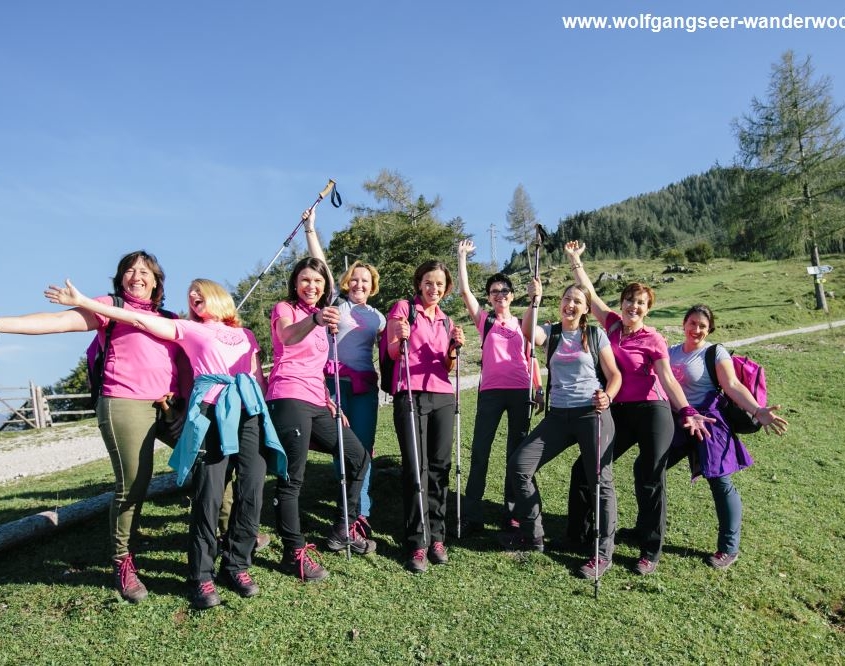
29,407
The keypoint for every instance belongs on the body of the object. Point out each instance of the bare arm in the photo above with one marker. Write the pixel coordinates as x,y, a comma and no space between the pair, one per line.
161,327
41,323
290,332
737,392
529,325
466,247
598,308
611,372
695,424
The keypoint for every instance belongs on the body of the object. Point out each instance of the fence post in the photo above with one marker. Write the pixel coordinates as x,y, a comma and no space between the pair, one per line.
33,401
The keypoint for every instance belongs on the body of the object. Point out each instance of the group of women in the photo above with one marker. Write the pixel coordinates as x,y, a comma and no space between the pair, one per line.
610,388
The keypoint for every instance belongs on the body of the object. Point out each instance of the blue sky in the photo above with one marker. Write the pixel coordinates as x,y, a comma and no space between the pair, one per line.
200,130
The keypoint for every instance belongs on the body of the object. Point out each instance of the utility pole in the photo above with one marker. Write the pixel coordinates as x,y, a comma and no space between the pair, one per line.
494,262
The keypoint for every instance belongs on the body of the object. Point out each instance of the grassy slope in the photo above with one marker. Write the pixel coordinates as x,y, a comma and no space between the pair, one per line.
781,602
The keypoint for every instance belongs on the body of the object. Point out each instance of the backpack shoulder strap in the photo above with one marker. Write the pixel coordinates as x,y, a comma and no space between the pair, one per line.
551,345
593,341
116,301
488,324
710,363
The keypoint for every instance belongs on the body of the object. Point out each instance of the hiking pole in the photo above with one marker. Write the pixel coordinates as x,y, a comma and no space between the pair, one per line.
416,456
538,241
598,493
336,202
458,433
338,417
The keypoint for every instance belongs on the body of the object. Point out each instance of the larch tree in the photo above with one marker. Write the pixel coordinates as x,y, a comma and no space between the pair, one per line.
521,221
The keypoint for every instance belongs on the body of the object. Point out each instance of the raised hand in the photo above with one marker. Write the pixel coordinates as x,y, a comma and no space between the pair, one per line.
67,295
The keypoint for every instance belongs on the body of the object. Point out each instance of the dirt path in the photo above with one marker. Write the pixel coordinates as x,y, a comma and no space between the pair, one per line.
62,447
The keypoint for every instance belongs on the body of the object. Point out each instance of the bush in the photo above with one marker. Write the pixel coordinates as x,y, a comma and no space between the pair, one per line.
700,253
673,257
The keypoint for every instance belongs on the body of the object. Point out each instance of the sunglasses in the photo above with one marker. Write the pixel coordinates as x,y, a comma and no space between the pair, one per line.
503,292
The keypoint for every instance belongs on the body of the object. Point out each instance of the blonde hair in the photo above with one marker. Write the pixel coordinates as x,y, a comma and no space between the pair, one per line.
347,276
218,302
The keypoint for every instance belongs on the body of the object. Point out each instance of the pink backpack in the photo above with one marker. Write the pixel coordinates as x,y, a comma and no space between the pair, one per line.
753,377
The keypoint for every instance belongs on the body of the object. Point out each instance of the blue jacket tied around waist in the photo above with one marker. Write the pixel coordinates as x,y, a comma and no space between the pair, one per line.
240,391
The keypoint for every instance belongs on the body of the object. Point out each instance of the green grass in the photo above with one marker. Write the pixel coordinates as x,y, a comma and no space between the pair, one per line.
782,602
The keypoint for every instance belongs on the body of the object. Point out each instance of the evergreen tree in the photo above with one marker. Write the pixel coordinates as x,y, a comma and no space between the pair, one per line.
794,143
521,221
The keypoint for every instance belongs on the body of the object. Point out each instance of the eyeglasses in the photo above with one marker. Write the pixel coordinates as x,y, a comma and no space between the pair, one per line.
503,292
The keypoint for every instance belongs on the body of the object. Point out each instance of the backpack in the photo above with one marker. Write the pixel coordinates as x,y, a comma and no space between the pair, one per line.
96,354
386,364
753,377
551,345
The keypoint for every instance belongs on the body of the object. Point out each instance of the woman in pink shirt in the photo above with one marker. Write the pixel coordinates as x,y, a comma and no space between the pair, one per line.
303,412
503,388
431,353
138,370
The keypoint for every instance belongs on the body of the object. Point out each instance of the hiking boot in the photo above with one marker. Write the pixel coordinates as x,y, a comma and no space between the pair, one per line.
126,579
510,525
588,569
417,562
364,527
645,566
517,541
298,561
261,542
720,560
240,582
204,595
357,542
437,553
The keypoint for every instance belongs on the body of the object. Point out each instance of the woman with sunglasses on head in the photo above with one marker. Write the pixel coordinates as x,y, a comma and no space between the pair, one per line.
721,454
503,387
138,369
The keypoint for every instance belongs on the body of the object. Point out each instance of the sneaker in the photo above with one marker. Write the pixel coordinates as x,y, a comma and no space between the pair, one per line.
437,553
126,579
517,541
589,569
298,561
510,525
720,560
471,528
358,543
645,566
417,563
261,542
240,581
204,595
364,527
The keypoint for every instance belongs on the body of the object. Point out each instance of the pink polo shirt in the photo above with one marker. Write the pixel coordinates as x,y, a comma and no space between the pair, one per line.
427,349
635,356
503,361
298,369
216,349
138,366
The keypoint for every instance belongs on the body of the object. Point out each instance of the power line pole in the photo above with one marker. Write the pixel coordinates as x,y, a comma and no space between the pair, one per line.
493,259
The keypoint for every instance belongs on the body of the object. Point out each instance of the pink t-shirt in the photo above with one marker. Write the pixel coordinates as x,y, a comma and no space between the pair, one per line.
427,349
635,356
216,349
138,366
503,361
298,369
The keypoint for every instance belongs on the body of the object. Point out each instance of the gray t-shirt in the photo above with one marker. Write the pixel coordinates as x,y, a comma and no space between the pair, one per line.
690,370
356,335
573,372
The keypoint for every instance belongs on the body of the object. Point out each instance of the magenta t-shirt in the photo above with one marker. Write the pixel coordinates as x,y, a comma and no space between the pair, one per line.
427,349
216,349
298,369
139,366
503,361
635,356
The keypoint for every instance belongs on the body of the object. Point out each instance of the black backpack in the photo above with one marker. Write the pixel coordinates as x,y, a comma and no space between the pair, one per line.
387,364
551,345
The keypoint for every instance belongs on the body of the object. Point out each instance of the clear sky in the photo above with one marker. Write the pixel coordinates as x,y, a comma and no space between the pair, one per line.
199,131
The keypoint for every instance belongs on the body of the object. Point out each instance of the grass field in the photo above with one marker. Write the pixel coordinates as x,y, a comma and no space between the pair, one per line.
782,602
